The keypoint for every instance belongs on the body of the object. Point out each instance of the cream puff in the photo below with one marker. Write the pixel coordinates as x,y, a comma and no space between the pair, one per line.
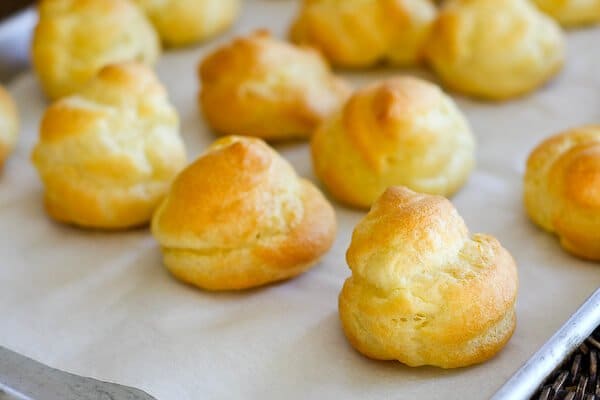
74,39
184,22
108,154
260,86
401,131
358,34
423,290
495,49
240,217
562,189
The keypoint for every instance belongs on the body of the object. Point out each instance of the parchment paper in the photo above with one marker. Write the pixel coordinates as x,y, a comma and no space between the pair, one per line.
102,305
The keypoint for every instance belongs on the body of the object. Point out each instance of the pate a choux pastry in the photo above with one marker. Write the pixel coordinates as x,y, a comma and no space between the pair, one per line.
401,131
9,125
240,217
74,39
184,22
108,154
562,189
424,291
572,12
358,33
263,87
495,49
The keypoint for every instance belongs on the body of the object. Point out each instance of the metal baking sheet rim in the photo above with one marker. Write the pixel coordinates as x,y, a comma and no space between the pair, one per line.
523,384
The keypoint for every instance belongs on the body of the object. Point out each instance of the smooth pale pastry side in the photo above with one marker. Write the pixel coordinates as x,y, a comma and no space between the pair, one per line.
572,12
74,39
108,154
263,87
424,291
562,189
401,131
184,22
358,33
240,217
495,49
9,125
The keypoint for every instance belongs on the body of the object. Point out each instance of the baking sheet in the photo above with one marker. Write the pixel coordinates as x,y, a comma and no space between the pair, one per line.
102,305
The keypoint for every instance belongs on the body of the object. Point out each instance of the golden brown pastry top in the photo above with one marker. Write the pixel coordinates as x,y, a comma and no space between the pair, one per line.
183,22
562,189
382,117
240,191
74,39
129,86
494,49
423,290
410,238
260,86
8,125
357,33
256,56
403,234
401,131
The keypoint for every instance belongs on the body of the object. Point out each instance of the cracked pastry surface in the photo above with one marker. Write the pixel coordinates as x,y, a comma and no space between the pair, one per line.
401,131
9,125
184,22
108,154
240,217
424,291
562,189
358,33
572,12
74,39
260,86
495,49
